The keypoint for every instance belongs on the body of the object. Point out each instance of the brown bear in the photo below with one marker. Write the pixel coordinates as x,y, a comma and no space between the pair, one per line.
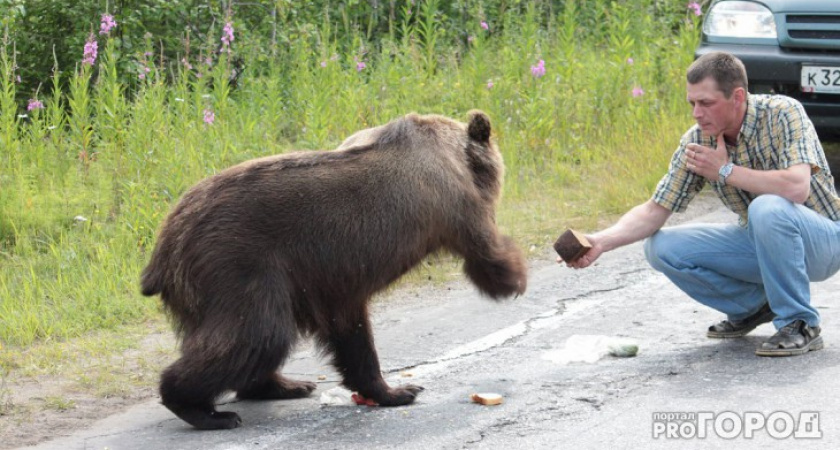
296,244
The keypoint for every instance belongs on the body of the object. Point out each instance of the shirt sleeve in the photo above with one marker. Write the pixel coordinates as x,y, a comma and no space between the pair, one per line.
799,140
679,186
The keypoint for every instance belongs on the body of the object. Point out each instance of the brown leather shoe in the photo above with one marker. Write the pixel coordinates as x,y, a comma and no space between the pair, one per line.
738,328
795,338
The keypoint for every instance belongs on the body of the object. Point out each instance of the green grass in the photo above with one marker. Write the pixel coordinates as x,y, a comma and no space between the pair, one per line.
123,363
85,182
58,403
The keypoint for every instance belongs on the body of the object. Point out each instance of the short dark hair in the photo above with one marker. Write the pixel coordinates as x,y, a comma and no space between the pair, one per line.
727,70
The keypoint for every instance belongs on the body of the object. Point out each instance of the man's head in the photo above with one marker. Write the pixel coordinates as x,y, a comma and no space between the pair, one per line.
725,69
717,91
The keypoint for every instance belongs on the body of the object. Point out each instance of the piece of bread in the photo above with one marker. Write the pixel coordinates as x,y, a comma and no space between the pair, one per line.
571,245
487,398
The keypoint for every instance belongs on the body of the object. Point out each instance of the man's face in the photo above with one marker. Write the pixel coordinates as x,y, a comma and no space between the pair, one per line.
714,112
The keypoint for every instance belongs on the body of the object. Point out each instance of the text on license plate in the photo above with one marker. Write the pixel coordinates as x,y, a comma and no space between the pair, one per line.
821,79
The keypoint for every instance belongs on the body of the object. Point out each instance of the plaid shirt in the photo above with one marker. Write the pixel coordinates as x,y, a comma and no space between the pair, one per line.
776,134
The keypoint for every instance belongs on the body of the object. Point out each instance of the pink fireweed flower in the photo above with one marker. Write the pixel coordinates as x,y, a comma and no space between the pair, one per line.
484,25
360,66
490,85
107,24
227,34
34,104
638,92
630,61
143,72
209,117
91,47
539,70
696,7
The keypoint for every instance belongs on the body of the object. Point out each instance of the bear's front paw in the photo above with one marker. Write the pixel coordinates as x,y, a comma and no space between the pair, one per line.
402,395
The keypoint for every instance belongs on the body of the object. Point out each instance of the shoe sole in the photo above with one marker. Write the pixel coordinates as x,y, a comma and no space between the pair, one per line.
729,334
740,333
816,344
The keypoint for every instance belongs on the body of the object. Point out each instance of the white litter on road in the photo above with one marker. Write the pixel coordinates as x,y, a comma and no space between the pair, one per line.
337,396
591,348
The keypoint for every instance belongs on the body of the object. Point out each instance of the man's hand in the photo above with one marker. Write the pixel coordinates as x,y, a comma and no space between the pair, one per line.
705,161
638,223
792,183
588,258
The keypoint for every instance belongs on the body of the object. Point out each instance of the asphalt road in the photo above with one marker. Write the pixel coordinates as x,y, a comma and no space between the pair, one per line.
455,343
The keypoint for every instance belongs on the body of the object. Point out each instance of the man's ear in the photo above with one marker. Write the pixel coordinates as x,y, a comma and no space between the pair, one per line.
740,94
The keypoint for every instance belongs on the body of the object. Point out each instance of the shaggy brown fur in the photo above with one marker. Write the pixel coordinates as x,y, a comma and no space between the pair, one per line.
294,244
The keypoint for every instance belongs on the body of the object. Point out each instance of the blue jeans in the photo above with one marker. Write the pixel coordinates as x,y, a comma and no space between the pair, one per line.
735,270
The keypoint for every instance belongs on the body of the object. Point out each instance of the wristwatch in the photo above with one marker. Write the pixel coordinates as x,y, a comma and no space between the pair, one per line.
725,171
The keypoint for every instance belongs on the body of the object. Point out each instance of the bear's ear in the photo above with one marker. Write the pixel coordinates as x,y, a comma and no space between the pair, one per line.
479,126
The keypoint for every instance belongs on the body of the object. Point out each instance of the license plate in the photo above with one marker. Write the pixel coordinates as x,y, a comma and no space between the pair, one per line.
821,79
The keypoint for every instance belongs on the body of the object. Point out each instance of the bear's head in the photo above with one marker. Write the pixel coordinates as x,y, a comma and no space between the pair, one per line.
467,144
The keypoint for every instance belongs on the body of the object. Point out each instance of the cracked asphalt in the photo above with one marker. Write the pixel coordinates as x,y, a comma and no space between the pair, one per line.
455,343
